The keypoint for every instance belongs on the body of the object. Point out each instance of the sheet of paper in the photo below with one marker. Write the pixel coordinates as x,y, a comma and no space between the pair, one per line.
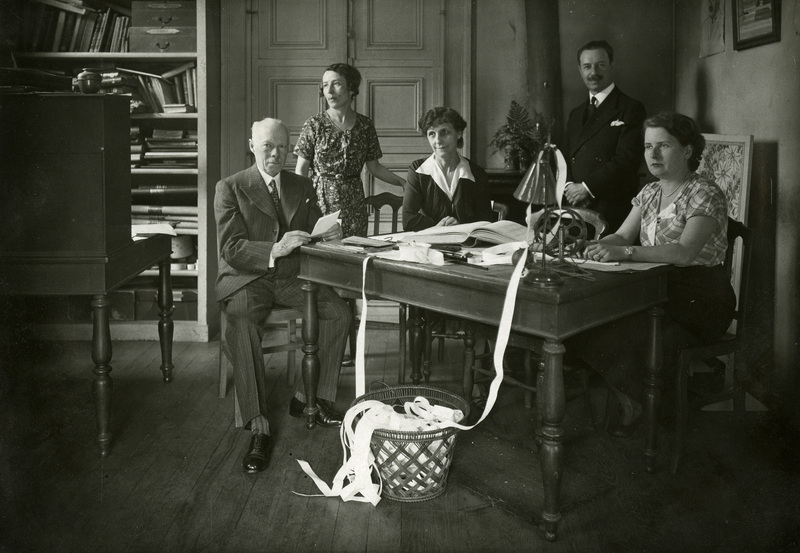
324,224
497,255
607,266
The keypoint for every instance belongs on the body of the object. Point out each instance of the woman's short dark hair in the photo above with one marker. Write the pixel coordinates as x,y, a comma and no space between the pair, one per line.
350,74
685,129
440,115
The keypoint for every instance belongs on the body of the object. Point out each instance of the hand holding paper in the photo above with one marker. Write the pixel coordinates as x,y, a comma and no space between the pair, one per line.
325,224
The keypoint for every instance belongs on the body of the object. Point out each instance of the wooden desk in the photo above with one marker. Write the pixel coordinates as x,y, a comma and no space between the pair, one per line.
477,295
97,276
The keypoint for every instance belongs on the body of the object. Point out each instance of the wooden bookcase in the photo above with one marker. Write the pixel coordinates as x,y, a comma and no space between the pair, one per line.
189,326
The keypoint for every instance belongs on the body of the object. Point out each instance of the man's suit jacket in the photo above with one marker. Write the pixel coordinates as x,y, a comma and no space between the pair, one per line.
606,153
248,227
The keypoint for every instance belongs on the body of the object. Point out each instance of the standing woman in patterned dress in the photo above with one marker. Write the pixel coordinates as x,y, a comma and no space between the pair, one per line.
334,146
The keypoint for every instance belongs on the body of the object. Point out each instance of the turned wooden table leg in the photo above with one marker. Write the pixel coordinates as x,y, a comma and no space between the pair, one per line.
652,384
403,317
310,349
539,414
416,345
552,450
102,385
427,342
165,324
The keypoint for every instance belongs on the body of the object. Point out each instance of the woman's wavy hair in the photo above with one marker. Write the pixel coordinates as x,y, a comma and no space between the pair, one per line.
440,115
685,129
350,74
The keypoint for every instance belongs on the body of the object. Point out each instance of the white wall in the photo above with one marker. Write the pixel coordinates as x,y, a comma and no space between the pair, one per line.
756,91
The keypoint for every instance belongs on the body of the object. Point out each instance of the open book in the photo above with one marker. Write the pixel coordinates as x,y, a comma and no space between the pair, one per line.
469,234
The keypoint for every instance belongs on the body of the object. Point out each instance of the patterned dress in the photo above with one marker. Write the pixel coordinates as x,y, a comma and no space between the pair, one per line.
337,158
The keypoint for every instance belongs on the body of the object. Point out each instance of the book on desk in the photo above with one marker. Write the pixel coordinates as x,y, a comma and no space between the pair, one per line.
470,234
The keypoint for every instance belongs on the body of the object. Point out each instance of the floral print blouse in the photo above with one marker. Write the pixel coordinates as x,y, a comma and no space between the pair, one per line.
337,158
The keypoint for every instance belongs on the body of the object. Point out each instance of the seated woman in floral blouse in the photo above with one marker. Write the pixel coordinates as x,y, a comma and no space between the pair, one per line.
681,219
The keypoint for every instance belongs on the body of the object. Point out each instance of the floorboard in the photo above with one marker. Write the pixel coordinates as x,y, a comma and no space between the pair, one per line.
173,481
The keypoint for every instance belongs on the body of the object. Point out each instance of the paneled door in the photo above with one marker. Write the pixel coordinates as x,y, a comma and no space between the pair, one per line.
398,45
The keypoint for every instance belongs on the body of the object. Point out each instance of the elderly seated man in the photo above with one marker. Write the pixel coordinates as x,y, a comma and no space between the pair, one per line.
264,214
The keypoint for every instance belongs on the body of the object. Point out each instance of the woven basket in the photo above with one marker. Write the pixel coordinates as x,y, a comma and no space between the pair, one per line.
414,465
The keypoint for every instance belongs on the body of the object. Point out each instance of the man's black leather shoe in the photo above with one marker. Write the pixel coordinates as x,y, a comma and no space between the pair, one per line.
326,416
257,457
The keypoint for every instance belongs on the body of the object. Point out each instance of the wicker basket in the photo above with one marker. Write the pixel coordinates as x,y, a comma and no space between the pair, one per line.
414,465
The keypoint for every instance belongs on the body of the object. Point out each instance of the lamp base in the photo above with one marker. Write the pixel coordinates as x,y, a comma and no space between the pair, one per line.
543,278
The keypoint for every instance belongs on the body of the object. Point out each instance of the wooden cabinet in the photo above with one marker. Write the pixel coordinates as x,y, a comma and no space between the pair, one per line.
195,280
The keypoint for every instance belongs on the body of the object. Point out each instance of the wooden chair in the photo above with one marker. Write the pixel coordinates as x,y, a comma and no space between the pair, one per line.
440,336
278,316
728,346
377,202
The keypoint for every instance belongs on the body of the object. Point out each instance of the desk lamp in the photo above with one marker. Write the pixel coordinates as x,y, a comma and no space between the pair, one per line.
538,187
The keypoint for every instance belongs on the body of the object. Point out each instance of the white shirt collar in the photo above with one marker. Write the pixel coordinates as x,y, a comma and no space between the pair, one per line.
430,167
267,178
603,94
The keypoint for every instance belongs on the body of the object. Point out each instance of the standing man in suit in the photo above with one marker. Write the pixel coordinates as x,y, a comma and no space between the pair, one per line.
263,215
604,144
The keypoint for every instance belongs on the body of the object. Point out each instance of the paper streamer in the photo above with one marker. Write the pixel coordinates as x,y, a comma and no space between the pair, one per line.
353,481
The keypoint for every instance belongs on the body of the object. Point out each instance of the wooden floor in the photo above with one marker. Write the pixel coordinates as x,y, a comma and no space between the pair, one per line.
173,480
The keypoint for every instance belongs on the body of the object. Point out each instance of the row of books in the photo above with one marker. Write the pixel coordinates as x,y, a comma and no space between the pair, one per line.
166,148
182,218
72,26
174,91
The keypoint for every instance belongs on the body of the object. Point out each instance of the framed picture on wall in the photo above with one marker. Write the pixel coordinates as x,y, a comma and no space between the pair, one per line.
755,22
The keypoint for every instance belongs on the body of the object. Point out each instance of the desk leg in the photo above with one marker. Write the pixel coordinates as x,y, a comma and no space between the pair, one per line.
427,331
552,450
403,317
652,384
310,349
102,385
165,324
416,336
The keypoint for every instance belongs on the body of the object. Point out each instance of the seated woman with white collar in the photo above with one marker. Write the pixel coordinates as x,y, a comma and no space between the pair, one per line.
445,188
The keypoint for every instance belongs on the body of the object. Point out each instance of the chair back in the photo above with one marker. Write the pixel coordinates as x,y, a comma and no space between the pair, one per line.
501,209
737,231
378,201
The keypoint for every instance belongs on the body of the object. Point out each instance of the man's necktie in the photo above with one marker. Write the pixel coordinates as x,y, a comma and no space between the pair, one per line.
273,192
590,109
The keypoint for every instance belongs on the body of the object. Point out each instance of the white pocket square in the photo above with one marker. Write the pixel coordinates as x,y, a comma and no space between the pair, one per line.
617,123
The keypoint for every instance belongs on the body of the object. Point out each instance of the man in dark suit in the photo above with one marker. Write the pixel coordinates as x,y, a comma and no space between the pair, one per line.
263,215
603,143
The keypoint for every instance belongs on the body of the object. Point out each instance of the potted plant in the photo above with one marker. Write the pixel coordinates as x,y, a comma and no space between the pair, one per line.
520,137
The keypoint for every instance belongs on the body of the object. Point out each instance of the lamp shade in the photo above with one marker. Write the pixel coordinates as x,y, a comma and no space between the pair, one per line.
538,186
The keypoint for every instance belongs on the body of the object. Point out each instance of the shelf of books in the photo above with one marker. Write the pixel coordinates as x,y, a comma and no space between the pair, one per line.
130,48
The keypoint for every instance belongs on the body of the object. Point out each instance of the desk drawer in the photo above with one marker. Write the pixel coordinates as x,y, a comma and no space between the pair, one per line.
167,39
163,14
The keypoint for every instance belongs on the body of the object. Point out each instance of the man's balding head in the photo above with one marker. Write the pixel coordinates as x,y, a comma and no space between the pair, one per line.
269,142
